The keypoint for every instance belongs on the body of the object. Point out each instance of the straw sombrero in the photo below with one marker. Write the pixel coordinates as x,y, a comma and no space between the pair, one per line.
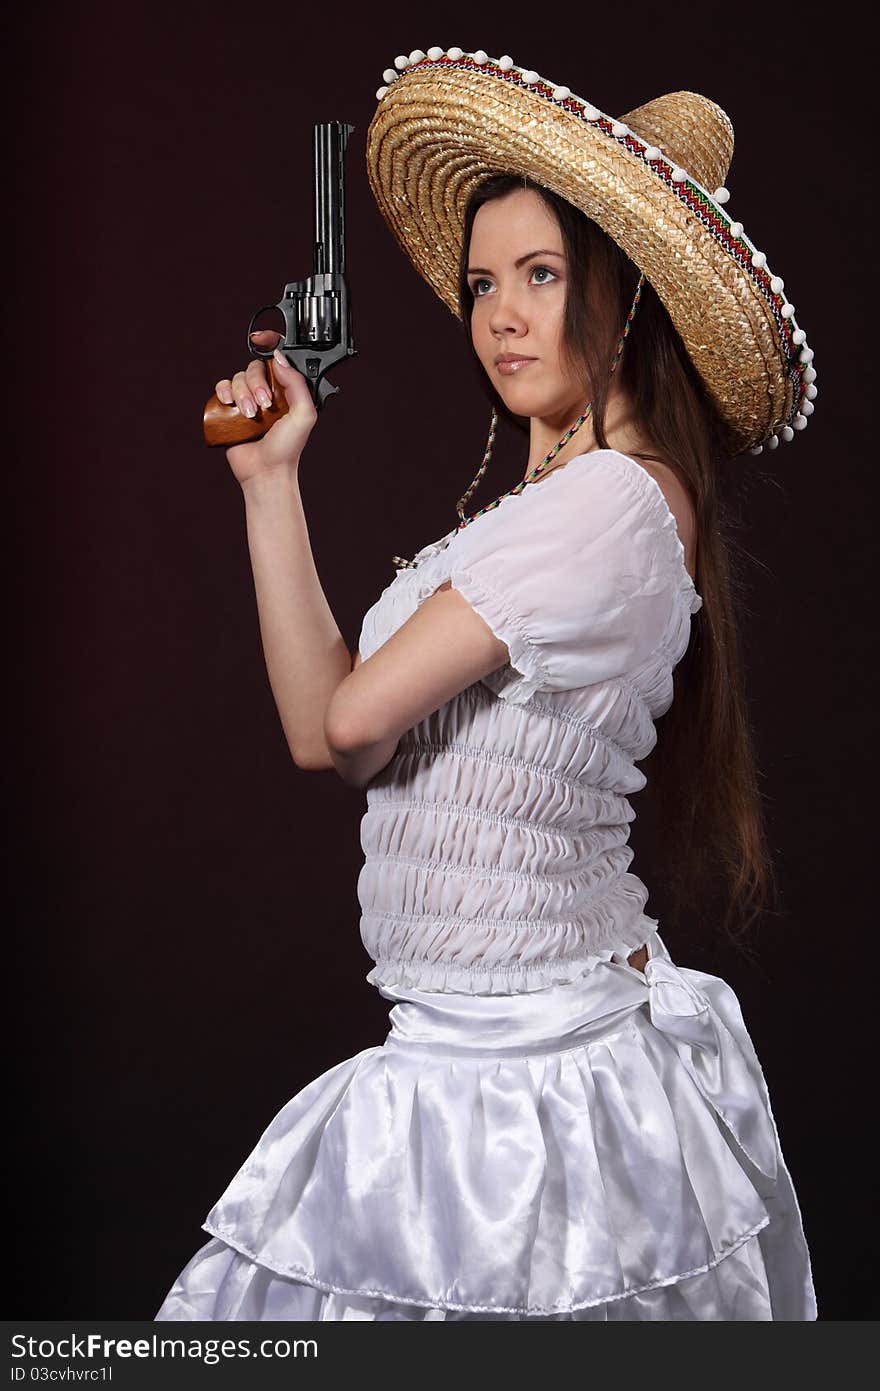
653,180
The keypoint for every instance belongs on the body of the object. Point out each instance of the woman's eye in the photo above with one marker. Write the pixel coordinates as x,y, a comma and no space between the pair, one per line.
479,293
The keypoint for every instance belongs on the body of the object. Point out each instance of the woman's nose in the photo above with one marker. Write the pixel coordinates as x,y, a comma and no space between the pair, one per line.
506,315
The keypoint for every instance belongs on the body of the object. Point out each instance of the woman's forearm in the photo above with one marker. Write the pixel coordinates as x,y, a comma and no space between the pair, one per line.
306,656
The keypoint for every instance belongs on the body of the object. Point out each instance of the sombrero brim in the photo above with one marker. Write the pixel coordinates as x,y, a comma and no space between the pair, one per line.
446,124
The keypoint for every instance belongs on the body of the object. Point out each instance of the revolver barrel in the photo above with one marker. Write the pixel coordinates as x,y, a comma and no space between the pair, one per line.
330,142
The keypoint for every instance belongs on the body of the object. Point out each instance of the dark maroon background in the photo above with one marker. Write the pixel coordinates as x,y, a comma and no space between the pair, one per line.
186,954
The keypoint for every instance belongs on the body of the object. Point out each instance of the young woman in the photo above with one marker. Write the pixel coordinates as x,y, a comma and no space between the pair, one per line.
562,1123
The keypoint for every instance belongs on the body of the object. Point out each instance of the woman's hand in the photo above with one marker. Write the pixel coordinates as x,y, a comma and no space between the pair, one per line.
280,448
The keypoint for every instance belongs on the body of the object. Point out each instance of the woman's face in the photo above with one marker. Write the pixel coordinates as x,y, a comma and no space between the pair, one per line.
517,275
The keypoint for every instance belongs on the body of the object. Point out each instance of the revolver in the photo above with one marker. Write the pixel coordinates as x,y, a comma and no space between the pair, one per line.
316,311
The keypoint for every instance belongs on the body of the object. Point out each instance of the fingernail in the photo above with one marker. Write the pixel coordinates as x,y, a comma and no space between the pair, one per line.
248,409
264,398
280,358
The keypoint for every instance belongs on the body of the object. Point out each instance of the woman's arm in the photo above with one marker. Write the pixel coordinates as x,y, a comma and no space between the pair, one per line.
306,655
443,648
335,712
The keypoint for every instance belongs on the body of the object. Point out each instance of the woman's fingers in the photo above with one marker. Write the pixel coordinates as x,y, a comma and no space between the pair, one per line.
250,391
258,382
266,337
242,397
294,384
237,392
247,390
256,392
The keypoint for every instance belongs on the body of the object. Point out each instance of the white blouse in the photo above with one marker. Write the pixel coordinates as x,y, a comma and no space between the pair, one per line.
496,838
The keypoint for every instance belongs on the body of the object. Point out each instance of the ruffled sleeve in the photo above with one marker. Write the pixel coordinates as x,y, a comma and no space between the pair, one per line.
579,575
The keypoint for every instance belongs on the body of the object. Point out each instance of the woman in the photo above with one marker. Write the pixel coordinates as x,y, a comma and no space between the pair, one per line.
561,1124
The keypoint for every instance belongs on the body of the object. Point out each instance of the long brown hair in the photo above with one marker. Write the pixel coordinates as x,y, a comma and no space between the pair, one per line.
702,772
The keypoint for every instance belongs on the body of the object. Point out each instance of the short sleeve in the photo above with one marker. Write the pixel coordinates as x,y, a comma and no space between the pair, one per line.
579,575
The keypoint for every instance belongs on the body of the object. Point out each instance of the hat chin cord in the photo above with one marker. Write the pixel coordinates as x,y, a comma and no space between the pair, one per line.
540,469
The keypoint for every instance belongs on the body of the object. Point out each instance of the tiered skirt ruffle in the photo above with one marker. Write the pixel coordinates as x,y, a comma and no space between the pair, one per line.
600,1149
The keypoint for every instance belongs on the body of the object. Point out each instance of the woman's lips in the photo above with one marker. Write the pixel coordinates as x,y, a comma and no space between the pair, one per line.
507,369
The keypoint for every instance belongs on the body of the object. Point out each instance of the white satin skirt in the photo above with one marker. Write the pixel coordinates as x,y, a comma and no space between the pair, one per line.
600,1149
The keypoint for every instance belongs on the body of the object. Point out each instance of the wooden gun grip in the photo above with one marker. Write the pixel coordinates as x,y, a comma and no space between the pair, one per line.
226,425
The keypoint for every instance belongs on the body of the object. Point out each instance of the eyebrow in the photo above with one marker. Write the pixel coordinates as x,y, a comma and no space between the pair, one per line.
481,270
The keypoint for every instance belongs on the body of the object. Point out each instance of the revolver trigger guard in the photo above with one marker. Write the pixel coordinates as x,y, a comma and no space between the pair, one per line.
254,351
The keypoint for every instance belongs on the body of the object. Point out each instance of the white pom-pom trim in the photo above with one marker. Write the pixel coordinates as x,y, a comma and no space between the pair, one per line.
416,56
798,337
759,260
721,195
380,93
560,93
435,54
806,355
401,62
757,449
777,284
505,62
810,375
592,113
807,407
773,442
736,229
530,77
480,57
787,433
787,312
652,152
678,174
389,76
811,391
454,54
800,422
618,128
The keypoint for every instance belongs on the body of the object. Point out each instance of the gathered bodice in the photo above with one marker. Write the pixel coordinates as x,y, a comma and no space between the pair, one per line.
495,840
